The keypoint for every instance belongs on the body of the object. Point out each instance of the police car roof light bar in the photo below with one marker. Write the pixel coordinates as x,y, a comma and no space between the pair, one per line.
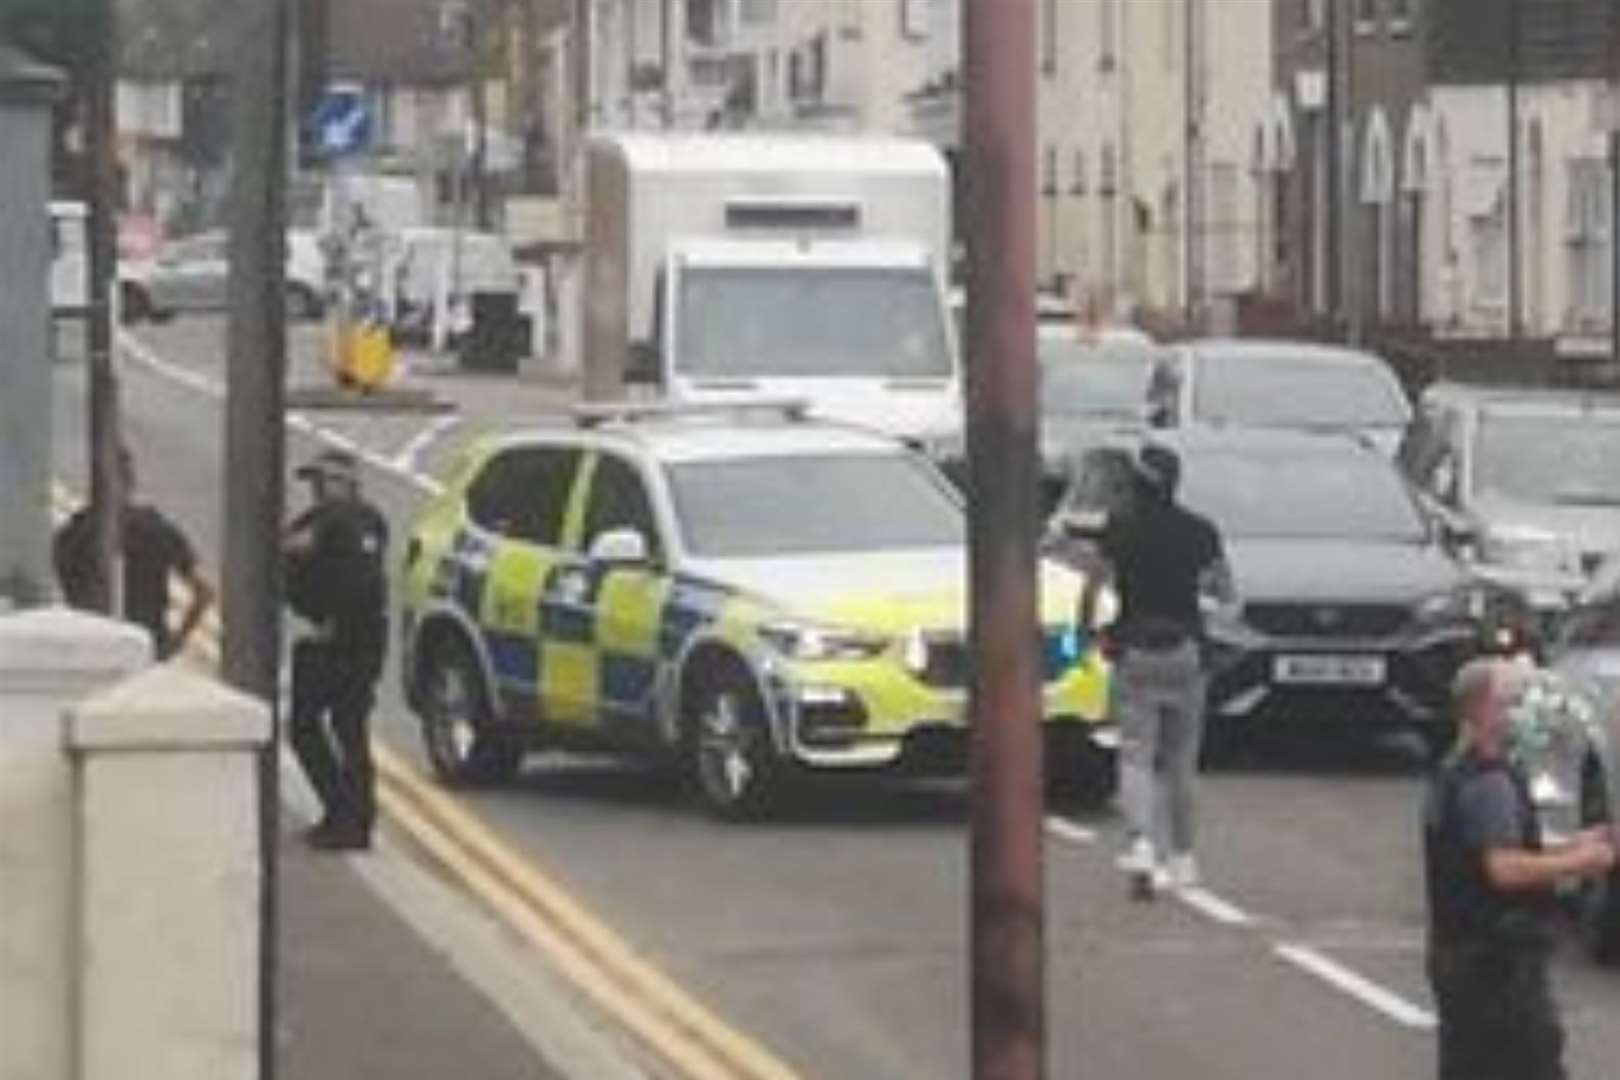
597,414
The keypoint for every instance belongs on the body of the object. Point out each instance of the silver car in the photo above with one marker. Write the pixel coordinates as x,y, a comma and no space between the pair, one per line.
1586,653
1280,385
193,274
1528,479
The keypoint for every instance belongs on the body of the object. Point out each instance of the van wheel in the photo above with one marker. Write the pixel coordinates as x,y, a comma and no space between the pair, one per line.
458,726
730,759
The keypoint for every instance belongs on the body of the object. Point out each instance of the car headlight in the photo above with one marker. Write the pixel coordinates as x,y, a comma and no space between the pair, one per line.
812,642
1466,604
1524,549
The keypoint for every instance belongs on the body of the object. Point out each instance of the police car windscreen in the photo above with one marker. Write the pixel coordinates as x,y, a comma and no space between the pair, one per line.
1327,495
845,503
811,323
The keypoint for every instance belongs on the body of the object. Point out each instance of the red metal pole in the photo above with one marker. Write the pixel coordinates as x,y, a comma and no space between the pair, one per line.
1008,963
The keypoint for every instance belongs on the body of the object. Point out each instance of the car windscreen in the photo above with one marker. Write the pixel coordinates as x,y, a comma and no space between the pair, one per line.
812,504
810,322
1079,381
1283,390
1564,458
1278,494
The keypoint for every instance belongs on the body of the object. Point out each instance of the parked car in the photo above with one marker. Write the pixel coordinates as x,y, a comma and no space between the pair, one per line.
1281,384
1585,652
1530,478
193,274
1351,609
1088,392
747,592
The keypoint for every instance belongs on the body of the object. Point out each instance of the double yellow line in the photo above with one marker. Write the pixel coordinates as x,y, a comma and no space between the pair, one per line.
688,1040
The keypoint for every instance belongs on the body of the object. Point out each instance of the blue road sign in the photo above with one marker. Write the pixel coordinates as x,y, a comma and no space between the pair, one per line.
341,123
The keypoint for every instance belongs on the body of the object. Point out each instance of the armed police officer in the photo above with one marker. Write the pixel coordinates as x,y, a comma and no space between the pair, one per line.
336,579
1163,560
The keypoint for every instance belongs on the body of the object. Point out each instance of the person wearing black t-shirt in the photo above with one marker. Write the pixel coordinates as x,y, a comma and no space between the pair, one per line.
153,551
336,579
1491,884
1161,560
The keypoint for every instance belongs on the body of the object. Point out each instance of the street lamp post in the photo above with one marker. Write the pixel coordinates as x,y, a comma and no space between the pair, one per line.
1007,914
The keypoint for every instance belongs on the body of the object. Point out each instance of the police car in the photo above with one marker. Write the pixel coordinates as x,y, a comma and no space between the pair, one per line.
741,590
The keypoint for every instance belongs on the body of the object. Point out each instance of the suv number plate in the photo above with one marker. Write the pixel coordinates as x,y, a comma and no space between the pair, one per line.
1328,670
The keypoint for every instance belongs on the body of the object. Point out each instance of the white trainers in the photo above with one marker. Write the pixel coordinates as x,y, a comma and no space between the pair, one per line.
1182,871
1138,858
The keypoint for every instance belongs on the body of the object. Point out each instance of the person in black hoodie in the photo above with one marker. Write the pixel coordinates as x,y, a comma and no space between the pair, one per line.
1162,560
336,579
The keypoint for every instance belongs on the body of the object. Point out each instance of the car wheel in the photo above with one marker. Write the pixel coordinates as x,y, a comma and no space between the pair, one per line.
458,725
303,305
730,759
1599,900
1078,771
133,303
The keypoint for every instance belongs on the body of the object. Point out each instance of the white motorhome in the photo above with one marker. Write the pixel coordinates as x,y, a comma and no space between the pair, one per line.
805,266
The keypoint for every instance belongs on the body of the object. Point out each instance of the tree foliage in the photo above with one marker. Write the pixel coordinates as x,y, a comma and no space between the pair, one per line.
60,32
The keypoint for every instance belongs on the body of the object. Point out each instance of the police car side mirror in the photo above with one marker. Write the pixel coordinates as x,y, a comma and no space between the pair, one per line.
620,547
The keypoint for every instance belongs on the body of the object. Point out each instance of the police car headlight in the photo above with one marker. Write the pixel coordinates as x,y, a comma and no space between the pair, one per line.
807,641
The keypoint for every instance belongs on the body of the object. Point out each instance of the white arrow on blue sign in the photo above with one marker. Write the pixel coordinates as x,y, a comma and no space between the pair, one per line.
342,123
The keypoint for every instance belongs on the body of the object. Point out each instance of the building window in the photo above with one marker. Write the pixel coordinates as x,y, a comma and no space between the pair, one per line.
1400,16
1312,14
1108,17
1366,16
1221,237
1486,211
914,19
756,14
1049,179
1587,239
1080,184
1049,37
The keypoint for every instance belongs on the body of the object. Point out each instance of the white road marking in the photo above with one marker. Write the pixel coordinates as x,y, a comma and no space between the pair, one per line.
134,347
408,455
1364,990
1213,907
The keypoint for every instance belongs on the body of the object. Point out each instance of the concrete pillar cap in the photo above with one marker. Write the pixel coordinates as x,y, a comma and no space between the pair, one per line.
57,647
168,707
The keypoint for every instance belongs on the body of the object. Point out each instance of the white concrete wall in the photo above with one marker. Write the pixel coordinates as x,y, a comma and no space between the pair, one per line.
167,941
49,659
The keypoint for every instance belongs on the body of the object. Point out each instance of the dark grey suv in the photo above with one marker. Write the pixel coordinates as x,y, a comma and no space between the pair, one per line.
1351,609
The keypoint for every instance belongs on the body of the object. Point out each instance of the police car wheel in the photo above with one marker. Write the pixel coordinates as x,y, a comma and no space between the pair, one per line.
732,762
456,724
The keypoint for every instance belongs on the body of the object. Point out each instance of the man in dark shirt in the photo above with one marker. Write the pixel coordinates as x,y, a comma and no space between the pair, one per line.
336,579
152,550
1490,887
1161,559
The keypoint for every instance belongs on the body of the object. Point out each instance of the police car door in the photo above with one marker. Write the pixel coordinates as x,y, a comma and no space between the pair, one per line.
519,503
629,589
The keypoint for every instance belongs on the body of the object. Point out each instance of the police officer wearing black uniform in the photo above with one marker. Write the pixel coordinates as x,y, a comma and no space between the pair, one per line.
1490,884
336,579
